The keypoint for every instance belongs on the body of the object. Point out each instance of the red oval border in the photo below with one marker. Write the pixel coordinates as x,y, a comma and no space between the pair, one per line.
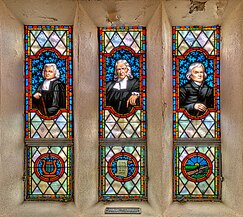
194,155
49,179
134,160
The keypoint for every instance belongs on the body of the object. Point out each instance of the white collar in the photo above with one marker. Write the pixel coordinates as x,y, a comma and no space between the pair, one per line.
198,83
46,84
121,84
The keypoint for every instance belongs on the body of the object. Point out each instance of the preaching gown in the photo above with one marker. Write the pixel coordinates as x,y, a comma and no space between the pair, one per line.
51,100
191,93
117,98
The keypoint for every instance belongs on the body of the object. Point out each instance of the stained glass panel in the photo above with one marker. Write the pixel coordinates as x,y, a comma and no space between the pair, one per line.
196,107
122,112
118,119
49,171
122,172
48,113
49,116
197,172
196,113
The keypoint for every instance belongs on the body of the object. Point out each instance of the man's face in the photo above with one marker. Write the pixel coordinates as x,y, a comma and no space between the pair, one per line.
49,72
197,74
121,70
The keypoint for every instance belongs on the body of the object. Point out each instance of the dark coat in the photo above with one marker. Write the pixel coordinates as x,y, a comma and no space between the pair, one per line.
52,100
192,93
118,98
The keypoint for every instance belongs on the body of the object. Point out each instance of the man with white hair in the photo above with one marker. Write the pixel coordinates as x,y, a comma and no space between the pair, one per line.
123,92
196,96
50,95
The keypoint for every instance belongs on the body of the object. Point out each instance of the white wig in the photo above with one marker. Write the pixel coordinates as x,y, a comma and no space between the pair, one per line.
192,66
129,72
57,73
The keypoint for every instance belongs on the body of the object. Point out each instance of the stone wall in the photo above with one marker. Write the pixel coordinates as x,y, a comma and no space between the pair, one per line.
158,16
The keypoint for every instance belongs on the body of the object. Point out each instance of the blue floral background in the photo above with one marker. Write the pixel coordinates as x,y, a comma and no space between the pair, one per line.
196,56
121,54
38,64
131,166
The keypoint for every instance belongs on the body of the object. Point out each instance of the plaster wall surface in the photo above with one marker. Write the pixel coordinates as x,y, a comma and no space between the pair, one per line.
159,90
232,108
199,12
44,12
11,110
86,103
159,109
121,12
154,112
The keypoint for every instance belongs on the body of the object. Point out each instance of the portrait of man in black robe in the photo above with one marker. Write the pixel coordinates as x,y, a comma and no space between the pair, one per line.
123,92
50,95
196,96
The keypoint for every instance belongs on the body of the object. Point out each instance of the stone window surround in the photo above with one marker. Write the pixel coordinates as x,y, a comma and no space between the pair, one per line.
86,102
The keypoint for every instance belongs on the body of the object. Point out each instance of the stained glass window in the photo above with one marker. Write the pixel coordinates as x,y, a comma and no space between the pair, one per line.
196,113
48,113
122,117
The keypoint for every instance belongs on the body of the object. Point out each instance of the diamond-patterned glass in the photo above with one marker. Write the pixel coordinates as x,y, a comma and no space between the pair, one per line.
113,39
113,124
196,113
122,118
122,172
42,127
190,128
48,113
51,45
191,46
196,37
197,173
49,173
116,127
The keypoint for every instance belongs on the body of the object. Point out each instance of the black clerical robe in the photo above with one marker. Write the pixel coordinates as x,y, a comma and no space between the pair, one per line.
51,100
191,93
118,98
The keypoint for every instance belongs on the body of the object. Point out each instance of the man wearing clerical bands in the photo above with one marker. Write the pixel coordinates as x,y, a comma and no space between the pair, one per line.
50,95
123,92
196,96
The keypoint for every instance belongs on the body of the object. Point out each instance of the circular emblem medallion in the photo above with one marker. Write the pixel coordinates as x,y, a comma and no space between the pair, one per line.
196,167
123,167
49,167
